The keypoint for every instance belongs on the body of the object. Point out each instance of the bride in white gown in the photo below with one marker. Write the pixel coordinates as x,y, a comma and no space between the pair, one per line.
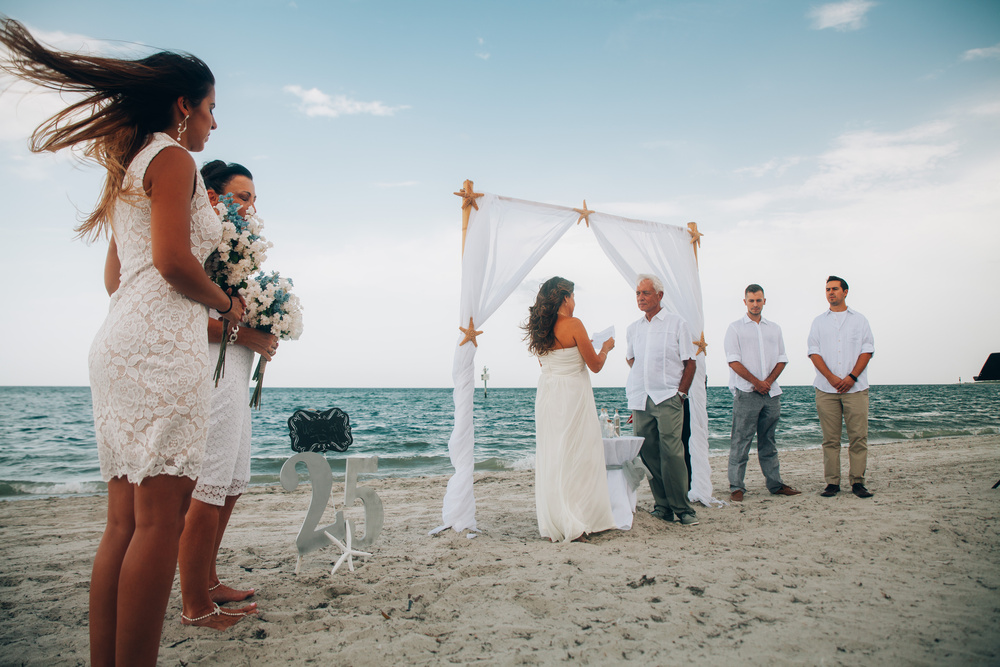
571,486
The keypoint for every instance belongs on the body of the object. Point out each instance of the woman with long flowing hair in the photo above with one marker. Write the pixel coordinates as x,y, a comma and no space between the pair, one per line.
150,372
571,484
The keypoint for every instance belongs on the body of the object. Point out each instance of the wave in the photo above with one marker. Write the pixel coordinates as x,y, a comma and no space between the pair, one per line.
18,489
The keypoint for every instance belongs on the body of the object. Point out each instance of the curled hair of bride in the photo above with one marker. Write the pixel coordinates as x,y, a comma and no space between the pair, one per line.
218,173
540,326
123,102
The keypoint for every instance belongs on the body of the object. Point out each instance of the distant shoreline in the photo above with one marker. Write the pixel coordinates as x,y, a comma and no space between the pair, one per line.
444,477
492,388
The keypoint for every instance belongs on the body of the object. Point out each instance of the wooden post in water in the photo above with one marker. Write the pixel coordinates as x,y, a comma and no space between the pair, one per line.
485,376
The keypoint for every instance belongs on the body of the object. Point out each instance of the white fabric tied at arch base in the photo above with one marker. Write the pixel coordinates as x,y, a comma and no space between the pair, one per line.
506,238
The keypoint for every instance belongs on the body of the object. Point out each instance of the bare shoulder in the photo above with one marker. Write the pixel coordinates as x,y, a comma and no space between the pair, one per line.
171,165
172,158
570,324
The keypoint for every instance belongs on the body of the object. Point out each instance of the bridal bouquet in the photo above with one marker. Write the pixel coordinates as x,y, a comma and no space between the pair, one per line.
239,255
272,308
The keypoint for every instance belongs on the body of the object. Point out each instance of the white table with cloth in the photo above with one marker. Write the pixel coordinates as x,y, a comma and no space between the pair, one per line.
625,473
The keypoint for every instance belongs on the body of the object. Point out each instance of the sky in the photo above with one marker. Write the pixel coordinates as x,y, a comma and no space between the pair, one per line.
857,138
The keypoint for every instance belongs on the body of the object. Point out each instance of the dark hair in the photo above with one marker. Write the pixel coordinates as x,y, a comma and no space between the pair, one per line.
843,283
124,102
539,329
218,173
753,287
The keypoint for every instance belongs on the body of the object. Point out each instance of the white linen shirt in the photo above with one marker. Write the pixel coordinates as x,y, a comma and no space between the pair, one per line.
658,347
759,347
840,346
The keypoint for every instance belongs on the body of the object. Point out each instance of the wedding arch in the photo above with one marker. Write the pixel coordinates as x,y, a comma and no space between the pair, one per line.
502,240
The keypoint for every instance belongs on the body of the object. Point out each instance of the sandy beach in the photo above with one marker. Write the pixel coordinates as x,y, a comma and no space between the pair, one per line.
911,576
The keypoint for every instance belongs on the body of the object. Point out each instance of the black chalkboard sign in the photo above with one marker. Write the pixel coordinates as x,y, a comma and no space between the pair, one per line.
316,431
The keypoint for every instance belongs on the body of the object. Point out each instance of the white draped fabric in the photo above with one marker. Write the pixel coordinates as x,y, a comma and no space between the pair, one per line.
506,238
618,454
638,246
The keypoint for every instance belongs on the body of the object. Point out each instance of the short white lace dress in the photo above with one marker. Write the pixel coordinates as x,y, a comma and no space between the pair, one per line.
225,470
150,375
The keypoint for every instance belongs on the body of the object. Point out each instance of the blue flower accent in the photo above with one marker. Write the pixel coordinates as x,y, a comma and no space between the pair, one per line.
281,295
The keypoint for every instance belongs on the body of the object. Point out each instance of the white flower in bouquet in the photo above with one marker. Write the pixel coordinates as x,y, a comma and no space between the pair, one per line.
274,309
242,249
239,254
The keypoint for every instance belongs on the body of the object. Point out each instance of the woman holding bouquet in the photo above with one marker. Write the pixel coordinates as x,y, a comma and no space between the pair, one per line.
225,469
149,364
571,484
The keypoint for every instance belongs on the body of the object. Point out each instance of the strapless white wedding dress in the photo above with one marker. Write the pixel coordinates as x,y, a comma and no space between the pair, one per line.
571,484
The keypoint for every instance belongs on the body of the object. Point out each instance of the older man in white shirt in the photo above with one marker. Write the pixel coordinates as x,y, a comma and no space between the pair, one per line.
755,351
661,355
840,346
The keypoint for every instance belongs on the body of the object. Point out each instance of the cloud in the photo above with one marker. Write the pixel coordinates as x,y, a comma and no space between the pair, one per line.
750,202
84,45
314,102
849,15
856,163
647,210
778,166
979,54
24,106
987,109
860,158
484,55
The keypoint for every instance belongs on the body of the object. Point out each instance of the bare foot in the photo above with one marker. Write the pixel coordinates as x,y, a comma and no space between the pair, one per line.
223,594
219,618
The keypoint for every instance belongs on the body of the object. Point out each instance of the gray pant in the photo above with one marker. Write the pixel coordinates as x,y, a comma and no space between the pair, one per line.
754,413
663,453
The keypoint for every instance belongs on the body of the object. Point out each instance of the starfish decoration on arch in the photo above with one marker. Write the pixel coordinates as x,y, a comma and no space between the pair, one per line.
695,237
468,196
470,334
701,345
584,213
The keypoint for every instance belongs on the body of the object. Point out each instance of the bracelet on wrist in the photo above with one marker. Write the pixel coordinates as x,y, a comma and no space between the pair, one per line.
852,376
223,312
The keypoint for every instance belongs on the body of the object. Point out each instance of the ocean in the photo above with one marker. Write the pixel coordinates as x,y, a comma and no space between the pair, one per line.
47,444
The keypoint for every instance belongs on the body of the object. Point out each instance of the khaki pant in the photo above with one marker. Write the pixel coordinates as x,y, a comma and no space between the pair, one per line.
852,410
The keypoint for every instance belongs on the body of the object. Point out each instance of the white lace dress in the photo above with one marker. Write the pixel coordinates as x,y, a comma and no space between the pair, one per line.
150,374
225,470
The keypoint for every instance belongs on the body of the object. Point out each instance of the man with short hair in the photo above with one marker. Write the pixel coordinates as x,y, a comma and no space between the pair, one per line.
840,346
755,351
661,355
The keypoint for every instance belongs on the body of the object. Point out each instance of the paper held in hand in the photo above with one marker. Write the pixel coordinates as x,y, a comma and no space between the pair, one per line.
601,336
